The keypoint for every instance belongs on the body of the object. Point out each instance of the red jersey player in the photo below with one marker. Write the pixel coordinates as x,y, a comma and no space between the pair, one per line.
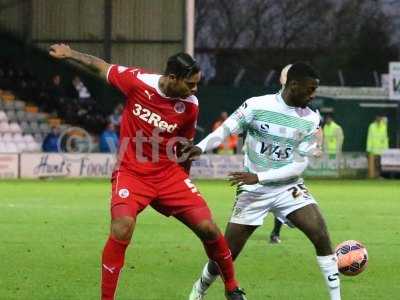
160,110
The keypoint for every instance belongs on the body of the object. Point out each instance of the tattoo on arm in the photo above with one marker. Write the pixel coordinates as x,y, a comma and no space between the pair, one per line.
94,63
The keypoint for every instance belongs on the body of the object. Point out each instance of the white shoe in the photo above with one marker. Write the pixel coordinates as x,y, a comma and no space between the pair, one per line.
196,293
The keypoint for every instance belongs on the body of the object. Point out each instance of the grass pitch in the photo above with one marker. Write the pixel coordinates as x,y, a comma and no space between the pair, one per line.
52,234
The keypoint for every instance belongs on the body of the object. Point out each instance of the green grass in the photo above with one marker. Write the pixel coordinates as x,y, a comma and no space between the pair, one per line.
52,234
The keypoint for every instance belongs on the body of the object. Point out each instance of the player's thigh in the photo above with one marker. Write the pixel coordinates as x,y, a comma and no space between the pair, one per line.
292,198
237,235
177,195
129,195
309,220
251,209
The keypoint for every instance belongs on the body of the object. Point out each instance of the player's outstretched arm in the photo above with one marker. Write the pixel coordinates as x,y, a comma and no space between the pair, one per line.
296,168
213,140
63,51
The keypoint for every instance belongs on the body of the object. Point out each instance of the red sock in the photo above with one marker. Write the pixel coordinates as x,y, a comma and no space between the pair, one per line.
218,251
112,263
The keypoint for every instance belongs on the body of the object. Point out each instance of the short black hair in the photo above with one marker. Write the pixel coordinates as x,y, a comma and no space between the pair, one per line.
300,71
182,65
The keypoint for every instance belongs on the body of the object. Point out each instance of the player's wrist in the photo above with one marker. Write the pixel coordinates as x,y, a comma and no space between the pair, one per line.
259,178
199,149
72,54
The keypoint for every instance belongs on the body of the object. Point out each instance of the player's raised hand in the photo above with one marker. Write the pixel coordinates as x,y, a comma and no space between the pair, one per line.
60,51
189,151
240,178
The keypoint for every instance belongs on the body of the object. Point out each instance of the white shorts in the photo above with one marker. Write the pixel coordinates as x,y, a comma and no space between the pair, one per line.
252,207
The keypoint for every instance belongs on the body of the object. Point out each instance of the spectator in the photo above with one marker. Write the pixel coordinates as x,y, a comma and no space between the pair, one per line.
50,143
116,116
218,122
377,142
333,138
230,144
81,90
54,98
56,90
109,139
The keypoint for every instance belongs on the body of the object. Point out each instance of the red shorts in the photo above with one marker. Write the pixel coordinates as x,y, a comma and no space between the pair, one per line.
171,193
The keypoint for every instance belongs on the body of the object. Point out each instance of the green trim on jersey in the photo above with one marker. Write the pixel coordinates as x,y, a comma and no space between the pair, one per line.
262,136
282,119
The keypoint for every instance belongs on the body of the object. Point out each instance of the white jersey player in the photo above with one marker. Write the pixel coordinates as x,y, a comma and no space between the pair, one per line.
281,134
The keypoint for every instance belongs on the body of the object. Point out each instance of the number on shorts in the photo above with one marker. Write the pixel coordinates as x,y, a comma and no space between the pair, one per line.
303,189
295,191
298,190
190,185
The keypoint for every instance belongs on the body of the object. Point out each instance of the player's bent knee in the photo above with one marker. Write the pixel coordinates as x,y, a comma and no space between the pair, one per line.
200,221
122,228
208,230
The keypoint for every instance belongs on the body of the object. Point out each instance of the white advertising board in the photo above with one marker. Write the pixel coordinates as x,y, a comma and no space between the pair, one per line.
35,165
8,165
390,160
216,166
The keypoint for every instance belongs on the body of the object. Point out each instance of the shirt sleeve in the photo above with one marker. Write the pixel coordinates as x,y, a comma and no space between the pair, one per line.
235,124
312,143
123,78
294,169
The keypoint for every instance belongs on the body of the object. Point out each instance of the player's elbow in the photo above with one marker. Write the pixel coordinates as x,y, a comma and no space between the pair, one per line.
103,68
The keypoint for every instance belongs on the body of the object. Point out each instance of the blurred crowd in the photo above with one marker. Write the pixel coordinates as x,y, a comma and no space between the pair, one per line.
68,100
71,101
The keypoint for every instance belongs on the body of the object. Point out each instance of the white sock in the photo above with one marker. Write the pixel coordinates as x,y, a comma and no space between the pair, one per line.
206,279
329,269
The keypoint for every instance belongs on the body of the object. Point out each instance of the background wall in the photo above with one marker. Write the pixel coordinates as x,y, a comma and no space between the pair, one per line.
102,27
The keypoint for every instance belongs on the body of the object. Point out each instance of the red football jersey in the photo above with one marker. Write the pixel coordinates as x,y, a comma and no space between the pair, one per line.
150,120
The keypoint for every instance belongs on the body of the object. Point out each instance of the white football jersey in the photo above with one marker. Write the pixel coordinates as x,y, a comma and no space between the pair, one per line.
276,134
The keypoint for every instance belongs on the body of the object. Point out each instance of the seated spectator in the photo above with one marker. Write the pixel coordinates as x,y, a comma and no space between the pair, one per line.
50,143
109,139
56,89
82,91
54,96
115,118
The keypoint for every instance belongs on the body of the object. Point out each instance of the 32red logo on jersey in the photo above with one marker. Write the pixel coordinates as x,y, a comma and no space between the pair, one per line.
153,118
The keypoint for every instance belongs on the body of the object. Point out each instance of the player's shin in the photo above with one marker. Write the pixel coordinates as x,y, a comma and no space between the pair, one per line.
207,278
112,262
218,252
329,269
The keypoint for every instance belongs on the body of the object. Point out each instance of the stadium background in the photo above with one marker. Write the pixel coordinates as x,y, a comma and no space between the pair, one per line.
49,224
